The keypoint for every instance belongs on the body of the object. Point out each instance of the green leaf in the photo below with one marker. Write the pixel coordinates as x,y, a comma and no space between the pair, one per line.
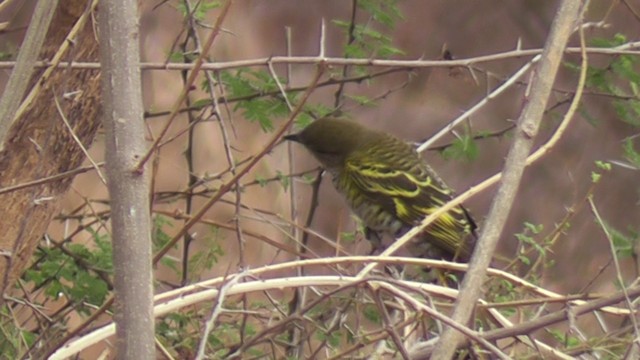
247,83
200,10
362,100
209,255
630,153
261,180
617,40
387,51
177,56
623,66
463,148
622,243
533,228
348,237
159,237
308,178
525,260
355,52
284,179
372,313
385,12
603,165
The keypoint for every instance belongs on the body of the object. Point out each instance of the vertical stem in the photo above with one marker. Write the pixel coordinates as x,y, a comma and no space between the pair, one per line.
528,124
29,51
128,187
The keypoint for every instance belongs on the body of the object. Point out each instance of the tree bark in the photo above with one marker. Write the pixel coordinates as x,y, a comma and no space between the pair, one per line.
39,145
128,187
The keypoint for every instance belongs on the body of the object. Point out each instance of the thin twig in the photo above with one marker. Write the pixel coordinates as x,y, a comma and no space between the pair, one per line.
467,114
94,164
229,185
190,81
616,264
52,178
215,313
624,49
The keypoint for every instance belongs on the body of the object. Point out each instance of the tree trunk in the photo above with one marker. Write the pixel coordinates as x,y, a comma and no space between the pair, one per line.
39,144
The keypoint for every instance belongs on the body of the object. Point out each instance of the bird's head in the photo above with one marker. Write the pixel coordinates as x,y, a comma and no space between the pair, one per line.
331,140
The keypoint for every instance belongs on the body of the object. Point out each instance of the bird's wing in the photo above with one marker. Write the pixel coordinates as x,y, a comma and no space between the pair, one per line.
411,196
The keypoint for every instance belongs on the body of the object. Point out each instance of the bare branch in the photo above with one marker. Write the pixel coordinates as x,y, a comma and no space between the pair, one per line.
190,81
625,49
528,125
29,51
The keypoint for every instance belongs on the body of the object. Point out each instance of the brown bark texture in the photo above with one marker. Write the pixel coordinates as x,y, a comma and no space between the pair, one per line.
40,145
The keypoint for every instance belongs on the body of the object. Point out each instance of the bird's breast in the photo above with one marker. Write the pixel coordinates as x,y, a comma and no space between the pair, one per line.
373,215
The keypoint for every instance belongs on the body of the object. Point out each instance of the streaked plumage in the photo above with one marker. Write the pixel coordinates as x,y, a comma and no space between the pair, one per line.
388,185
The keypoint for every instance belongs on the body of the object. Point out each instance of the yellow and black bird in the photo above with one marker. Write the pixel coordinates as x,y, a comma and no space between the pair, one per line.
389,186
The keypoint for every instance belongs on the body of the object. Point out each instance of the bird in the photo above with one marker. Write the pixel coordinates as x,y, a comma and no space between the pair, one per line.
389,187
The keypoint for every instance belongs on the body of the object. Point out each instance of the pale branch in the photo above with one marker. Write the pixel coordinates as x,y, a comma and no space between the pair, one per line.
25,64
394,260
537,97
56,60
625,49
616,263
485,100
215,313
203,292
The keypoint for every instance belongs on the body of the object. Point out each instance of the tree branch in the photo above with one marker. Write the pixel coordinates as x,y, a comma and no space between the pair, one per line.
528,125
128,187
25,64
